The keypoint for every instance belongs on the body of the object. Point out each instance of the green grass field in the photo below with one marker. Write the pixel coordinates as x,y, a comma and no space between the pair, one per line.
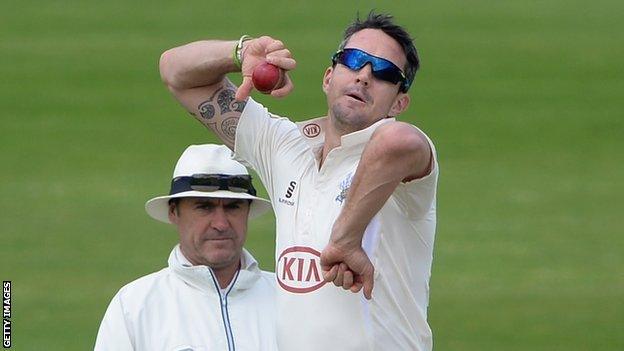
523,99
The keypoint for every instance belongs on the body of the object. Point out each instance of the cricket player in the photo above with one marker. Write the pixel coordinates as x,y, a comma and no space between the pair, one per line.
212,296
354,191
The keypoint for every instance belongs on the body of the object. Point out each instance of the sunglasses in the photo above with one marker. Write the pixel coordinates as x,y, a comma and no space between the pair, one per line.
382,69
213,182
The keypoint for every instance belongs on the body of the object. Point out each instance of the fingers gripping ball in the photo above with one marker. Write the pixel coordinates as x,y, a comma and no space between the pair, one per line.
267,77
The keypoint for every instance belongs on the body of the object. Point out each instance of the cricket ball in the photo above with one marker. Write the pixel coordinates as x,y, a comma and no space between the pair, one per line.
266,77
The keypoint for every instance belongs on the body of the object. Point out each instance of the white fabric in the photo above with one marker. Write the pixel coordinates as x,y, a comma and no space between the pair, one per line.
306,200
180,308
205,159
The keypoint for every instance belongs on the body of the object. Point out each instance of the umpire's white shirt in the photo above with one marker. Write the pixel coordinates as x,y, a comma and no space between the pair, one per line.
182,308
399,239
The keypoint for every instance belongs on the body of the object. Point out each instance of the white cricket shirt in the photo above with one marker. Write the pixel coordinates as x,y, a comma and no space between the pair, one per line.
181,308
398,240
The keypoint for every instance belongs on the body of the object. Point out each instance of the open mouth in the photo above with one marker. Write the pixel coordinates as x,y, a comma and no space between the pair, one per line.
356,97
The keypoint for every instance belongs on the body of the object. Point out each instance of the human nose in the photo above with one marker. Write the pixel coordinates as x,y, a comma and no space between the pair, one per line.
219,220
364,75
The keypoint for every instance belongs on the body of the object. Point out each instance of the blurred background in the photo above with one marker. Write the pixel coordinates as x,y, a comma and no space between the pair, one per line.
522,98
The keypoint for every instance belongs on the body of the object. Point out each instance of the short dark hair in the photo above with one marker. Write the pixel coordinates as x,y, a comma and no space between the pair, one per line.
385,23
176,204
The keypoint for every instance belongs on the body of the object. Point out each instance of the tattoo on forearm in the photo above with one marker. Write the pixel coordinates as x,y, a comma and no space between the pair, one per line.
227,103
224,99
228,128
206,110
221,111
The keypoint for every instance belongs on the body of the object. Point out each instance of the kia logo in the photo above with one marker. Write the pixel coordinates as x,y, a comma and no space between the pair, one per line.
299,270
311,130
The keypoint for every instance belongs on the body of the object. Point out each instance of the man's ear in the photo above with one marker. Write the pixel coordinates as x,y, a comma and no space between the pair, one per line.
173,213
401,102
327,78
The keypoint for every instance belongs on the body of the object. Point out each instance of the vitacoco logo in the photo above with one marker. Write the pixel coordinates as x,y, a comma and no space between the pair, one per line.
311,130
299,270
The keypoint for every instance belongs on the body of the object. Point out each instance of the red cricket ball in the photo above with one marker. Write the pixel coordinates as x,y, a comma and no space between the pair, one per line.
266,77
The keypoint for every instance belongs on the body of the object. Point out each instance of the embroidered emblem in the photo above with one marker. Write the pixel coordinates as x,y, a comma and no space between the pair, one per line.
344,188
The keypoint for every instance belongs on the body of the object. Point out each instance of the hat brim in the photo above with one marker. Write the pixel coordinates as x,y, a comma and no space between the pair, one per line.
158,207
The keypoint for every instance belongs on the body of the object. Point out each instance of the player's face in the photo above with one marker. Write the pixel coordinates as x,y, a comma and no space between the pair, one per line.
357,99
212,231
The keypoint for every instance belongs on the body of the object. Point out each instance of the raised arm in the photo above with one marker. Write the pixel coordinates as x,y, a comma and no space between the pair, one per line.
396,152
195,74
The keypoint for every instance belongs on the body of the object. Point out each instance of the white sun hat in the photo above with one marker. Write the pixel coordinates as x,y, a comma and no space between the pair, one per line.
208,171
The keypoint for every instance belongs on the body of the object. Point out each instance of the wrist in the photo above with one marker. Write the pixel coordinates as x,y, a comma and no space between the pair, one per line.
343,236
237,52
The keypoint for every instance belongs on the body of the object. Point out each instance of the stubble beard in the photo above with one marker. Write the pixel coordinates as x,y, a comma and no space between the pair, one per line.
346,120
197,254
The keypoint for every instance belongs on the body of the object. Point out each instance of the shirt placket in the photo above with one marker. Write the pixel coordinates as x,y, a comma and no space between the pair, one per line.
307,204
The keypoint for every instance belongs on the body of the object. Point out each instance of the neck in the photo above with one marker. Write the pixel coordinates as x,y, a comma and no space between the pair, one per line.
225,275
332,140
334,130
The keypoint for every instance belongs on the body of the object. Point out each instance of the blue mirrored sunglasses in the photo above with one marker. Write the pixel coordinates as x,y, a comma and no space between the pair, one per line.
382,69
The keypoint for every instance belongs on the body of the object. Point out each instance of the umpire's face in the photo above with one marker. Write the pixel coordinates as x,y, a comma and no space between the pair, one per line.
212,230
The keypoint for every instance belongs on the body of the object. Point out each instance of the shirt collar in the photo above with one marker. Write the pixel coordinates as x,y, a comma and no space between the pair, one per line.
201,277
313,131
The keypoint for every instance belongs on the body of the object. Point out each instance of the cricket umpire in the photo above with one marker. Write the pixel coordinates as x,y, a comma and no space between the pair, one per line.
354,192
212,296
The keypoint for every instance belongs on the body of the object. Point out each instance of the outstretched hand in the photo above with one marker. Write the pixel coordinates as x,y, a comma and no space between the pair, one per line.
260,50
348,267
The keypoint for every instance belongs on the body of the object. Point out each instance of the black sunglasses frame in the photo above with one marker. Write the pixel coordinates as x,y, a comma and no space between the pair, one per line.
212,182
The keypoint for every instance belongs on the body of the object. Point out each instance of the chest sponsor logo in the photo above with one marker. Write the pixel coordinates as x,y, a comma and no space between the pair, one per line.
311,130
299,270
344,186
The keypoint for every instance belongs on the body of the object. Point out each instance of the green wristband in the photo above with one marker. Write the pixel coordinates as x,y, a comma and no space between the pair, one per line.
237,52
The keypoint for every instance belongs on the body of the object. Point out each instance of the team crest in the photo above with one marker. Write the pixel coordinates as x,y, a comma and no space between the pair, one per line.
345,184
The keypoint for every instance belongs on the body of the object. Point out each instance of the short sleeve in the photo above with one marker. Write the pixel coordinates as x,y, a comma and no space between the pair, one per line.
417,198
259,136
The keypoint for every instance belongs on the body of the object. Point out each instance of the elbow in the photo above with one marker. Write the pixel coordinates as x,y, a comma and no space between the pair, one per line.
405,145
165,66
400,138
